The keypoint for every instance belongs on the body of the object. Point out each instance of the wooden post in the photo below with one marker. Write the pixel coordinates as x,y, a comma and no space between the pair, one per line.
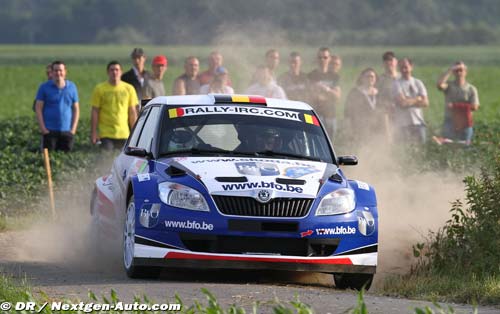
49,180
388,128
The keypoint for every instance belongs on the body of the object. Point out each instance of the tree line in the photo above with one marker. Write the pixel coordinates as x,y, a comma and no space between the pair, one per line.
195,22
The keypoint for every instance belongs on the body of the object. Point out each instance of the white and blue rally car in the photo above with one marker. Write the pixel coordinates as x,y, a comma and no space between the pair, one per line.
236,182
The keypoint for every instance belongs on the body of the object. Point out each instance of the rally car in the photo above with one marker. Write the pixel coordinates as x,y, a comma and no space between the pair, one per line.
236,182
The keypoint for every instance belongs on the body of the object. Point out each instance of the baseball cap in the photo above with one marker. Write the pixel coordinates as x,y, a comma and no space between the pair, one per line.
220,70
160,59
388,55
137,52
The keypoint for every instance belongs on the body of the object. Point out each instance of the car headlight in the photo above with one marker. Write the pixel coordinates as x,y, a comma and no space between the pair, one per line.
340,201
178,195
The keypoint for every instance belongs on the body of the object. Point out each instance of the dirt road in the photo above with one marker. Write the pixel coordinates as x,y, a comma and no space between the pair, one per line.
72,273
55,256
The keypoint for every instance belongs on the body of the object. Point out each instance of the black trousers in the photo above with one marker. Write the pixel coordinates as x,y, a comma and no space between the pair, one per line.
58,140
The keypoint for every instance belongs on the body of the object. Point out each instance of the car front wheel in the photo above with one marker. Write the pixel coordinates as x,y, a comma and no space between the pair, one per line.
133,271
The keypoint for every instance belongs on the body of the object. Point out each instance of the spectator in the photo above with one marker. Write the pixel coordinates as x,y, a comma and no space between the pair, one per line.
325,90
57,109
461,98
385,84
137,75
272,62
219,84
113,109
48,72
189,82
410,96
265,85
215,61
336,65
295,82
153,85
362,112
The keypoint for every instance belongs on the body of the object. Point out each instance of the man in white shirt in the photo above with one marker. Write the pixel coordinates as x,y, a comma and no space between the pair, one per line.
410,96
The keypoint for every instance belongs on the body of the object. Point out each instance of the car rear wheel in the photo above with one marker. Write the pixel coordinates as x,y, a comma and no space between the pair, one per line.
134,271
353,281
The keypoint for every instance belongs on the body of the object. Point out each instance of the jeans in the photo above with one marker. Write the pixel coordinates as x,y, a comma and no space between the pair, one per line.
412,134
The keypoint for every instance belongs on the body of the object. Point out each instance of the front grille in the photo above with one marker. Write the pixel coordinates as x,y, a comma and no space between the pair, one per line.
277,207
258,245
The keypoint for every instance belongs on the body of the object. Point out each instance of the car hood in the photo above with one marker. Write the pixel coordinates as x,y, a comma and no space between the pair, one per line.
249,176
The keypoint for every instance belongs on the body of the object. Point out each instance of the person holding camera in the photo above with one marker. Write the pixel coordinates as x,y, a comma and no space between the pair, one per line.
461,99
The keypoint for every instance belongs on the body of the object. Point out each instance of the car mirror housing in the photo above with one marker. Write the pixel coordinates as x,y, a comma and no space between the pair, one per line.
347,160
137,152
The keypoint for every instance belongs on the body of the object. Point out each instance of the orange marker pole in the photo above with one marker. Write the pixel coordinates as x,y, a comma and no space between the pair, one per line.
49,180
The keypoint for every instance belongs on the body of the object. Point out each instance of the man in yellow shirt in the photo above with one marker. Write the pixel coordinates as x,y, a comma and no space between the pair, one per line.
113,109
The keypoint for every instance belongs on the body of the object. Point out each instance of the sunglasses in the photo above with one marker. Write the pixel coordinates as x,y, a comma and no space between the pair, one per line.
323,57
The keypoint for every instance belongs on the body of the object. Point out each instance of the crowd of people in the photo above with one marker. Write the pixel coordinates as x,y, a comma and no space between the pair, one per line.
388,104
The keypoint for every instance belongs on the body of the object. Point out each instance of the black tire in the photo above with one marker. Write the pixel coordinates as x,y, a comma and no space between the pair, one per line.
353,281
129,262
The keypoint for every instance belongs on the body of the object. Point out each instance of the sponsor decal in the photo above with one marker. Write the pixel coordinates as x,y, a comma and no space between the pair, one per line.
297,172
310,119
264,196
239,110
149,215
366,223
257,168
306,233
138,166
192,225
257,160
338,230
143,177
261,185
363,185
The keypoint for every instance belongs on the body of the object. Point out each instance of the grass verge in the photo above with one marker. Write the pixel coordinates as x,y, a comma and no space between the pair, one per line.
461,288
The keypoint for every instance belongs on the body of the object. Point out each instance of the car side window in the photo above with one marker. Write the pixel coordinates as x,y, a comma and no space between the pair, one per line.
149,129
138,128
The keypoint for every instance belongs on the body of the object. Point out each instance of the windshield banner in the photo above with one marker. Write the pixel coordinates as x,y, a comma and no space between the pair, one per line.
240,110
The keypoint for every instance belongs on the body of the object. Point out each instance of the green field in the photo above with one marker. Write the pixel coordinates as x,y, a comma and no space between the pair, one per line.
23,70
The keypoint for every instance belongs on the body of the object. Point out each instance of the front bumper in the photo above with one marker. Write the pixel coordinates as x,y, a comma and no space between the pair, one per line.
146,255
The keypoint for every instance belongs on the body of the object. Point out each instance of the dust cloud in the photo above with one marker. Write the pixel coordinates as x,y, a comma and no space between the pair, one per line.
65,240
410,202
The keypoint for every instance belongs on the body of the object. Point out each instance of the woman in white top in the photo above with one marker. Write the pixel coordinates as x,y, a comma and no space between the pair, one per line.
219,83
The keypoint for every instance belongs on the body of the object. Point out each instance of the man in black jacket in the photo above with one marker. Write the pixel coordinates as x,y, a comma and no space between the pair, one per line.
137,74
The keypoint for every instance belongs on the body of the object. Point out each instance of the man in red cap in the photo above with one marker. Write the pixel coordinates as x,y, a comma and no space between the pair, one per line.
153,86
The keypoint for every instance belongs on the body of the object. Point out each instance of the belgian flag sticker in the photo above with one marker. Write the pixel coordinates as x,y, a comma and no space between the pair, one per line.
311,119
175,112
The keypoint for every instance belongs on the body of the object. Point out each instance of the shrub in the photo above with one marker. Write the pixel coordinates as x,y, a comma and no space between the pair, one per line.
470,240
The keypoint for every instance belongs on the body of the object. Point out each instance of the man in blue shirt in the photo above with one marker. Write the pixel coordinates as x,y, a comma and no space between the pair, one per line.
57,110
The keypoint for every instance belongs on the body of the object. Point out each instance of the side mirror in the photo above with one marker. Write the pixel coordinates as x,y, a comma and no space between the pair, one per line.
347,160
137,152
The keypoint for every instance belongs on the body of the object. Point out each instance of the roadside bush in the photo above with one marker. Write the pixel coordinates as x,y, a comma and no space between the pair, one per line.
470,240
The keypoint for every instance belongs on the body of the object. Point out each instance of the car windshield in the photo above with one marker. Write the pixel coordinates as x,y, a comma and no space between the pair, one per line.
251,130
